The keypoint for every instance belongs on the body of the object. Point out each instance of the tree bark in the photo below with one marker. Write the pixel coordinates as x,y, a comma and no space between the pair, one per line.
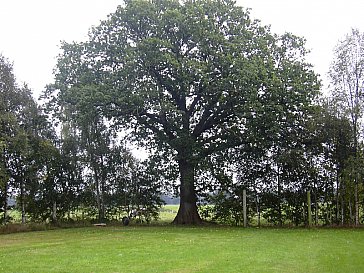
244,209
187,213
279,190
5,204
54,212
22,201
309,212
99,199
342,210
337,198
258,210
356,201
350,211
5,189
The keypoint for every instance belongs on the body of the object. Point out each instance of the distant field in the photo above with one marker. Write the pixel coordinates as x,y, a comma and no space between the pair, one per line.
167,213
183,249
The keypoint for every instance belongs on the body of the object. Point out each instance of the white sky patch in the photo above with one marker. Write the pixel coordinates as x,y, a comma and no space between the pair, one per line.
31,30
322,22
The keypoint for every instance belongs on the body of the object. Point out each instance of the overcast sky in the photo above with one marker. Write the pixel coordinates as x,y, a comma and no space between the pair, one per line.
31,30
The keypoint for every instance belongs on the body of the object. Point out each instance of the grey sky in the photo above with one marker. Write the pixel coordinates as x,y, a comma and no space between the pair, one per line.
31,30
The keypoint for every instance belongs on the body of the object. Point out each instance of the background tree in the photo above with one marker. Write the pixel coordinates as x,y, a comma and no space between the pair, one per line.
185,78
16,104
347,78
8,126
22,131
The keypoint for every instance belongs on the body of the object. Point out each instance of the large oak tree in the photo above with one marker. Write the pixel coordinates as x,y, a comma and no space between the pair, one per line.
186,77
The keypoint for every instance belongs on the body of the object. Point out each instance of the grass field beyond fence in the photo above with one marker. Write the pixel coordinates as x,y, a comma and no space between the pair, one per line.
178,249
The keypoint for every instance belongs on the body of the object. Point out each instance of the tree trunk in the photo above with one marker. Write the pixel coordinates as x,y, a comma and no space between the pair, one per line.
98,194
244,209
98,198
54,212
279,190
342,210
356,198
316,208
5,189
356,202
187,213
309,213
22,201
337,199
5,205
258,210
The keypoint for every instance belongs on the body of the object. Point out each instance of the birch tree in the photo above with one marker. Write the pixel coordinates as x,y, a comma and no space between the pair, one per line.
347,79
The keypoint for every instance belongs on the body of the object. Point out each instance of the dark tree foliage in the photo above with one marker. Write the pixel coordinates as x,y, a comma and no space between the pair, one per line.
190,79
347,78
223,105
24,134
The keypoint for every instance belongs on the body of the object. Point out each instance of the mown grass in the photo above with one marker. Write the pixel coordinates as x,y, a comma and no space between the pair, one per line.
183,249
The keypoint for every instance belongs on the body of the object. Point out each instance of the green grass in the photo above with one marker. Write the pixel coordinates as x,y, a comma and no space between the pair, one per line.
183,249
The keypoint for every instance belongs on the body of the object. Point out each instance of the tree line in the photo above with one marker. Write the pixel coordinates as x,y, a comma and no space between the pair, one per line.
59,166
222,106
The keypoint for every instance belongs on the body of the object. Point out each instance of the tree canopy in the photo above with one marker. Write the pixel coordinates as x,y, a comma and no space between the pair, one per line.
347,78
230,114
189,79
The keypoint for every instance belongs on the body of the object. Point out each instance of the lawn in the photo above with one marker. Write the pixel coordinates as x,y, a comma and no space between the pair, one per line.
183,249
